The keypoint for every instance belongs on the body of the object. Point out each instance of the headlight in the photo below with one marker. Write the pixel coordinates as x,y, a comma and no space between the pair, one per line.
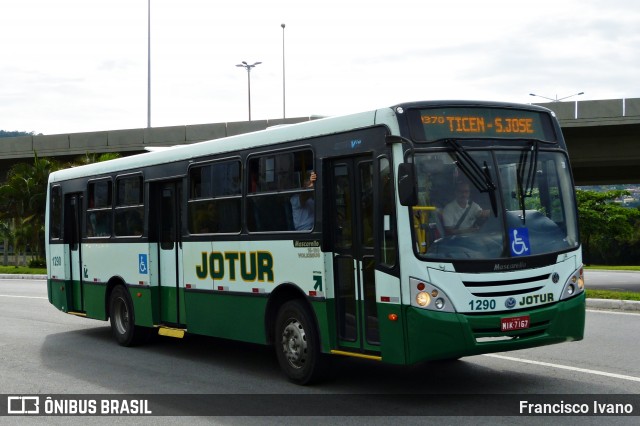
423,299
574,285
427,296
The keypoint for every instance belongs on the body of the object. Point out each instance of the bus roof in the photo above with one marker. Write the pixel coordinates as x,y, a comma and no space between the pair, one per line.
292,132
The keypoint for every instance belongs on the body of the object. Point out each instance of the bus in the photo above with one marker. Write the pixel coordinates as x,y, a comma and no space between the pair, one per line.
334,237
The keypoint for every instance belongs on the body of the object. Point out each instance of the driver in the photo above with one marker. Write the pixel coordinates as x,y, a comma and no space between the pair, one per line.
462,215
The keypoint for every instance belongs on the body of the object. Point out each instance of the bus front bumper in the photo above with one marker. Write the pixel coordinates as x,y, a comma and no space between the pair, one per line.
439,335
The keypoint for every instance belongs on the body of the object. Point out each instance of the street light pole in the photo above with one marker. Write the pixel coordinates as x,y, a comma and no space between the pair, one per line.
283,80
149,64
556,98
248,67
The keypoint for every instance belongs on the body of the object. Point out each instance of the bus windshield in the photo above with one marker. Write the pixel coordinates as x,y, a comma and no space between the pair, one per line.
516,203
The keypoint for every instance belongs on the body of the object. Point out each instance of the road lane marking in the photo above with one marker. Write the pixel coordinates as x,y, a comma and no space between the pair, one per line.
566,367
24,297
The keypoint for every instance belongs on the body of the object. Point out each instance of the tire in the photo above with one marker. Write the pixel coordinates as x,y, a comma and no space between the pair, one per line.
122,318
297,344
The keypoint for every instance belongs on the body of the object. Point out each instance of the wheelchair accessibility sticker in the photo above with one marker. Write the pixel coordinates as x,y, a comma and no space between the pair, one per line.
142,264
519,241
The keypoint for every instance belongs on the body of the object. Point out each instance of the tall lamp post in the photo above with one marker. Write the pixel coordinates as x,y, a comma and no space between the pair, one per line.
283,80
149,63
248,68
556,99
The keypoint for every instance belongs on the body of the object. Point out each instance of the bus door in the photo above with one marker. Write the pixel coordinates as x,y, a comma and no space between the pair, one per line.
165,214
73,248
351,216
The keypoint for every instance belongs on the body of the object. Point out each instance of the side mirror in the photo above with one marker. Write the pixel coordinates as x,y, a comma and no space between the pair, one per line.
407,191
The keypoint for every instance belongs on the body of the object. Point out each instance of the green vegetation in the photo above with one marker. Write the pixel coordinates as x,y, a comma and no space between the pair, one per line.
22,270
615,295
14,133
608,294
614,267
23,203
22,206
610,232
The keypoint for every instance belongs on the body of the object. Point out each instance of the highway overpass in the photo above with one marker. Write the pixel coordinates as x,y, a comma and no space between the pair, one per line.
603,139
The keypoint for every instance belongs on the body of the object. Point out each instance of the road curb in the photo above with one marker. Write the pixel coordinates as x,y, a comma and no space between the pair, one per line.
614,305
22,277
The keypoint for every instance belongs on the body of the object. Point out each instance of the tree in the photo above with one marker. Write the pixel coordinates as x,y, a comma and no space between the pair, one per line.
15,133
92,157
605,226
23,203
23,198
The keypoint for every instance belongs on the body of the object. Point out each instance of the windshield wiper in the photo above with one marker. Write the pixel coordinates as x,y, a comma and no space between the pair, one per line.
525,188
492,190
479,176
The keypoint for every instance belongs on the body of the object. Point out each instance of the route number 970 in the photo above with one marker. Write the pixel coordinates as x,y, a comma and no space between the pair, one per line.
482,305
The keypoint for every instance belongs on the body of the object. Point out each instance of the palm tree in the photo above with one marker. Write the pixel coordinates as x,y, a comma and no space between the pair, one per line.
5,235
93,157
23,198
23,203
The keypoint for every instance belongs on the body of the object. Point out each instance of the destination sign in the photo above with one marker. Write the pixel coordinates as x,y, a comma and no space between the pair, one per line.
469,122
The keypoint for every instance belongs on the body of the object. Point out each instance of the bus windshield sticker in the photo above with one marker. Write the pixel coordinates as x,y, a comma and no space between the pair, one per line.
519,242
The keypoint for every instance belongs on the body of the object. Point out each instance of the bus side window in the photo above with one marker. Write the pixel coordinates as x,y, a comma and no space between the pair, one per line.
215,198
55,218
99,208
276,183
129,207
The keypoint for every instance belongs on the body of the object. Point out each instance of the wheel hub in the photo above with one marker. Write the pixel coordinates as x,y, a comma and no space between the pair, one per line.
294,344
122,316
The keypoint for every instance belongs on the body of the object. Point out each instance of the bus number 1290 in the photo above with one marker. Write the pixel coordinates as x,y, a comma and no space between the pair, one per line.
482,305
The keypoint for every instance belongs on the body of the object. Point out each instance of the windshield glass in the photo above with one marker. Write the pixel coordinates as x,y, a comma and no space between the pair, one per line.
459,216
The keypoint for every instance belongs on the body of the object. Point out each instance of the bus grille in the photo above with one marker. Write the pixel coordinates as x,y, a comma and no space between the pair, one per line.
498,288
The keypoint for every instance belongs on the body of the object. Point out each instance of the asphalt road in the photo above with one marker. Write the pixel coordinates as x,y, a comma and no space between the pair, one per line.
43,351
612,280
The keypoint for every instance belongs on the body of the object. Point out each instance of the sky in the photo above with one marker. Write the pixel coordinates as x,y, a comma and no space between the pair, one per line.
79,66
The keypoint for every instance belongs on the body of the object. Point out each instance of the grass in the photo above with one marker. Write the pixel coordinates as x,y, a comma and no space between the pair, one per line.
22,270
608,294
616,295
614,268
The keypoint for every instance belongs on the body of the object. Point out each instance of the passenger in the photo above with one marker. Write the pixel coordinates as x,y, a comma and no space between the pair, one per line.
303,206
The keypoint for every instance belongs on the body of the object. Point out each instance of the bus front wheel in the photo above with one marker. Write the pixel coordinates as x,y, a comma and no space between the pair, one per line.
297,344
122,318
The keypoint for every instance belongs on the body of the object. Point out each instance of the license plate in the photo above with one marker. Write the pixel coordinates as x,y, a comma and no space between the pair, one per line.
514,323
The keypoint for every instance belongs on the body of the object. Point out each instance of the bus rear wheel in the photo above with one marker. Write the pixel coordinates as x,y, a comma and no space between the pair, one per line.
297,344
122,318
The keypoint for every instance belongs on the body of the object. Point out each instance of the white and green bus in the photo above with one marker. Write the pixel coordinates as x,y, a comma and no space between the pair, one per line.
432,230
